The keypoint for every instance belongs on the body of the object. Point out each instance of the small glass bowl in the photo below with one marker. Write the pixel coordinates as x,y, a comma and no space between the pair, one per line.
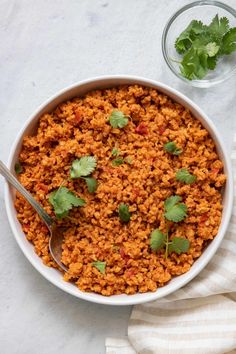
204,11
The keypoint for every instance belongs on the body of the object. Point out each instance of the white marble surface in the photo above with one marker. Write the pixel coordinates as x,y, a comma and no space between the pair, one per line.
45,46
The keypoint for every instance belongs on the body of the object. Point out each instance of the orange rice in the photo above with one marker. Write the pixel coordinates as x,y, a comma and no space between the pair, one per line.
94,232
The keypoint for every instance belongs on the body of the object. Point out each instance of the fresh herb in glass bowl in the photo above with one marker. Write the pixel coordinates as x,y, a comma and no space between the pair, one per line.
202,45
199,43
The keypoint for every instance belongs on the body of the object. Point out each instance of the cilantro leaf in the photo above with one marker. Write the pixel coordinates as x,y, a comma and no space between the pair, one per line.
117,162
218,27
179,245
115,152
83,167
194,64
91,184
184,176
212,49
185,39
172,148
18,168
124,213
157,241
229,42
174,210
63,200
118,119
211,62
171,201
101,266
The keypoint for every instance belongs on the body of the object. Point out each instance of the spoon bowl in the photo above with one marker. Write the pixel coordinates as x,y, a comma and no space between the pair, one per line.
55,244
56,233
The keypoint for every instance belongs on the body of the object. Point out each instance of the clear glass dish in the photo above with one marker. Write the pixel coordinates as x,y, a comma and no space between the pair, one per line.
203,11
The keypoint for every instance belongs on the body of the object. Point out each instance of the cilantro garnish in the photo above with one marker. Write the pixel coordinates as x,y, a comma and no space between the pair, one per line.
91,184
174,210
171,148
118,161
160,241
218,27
179,245
18,168
229,42
83,167
185,39
184,176
63,200
101,266
118,119
212,49
124,213
115,152
202,45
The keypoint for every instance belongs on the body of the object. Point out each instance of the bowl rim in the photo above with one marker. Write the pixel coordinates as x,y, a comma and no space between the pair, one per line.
204,82
204,258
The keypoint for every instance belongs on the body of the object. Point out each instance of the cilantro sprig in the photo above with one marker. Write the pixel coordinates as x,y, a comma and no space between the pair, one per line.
184,176
202,45
174,210
82,168
160,241
229,42
63,200
91,184
171,148
118,119
118,161
18,168
115,152
101,266
124,213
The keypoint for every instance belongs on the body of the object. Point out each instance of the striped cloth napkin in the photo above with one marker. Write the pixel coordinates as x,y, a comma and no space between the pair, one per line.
197,319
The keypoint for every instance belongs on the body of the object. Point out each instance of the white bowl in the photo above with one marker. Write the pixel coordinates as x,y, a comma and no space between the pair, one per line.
55,276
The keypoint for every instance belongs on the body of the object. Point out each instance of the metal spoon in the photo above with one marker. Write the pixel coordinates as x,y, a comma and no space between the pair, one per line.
56,233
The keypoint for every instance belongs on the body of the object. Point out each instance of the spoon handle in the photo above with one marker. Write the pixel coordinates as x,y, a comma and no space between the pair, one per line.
5,172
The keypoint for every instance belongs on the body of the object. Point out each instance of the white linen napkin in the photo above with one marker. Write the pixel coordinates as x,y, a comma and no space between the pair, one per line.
200,318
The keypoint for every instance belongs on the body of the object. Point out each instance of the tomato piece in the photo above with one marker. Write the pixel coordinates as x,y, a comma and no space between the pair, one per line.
215,170
142,129
26,227
78,117
162,129
136,192
130,273
43,187
204,217
125,256
44,229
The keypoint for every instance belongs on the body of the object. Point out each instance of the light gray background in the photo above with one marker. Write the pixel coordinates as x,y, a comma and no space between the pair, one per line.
47,45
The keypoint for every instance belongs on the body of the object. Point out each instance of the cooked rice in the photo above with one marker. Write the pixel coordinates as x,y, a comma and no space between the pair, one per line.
80,127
